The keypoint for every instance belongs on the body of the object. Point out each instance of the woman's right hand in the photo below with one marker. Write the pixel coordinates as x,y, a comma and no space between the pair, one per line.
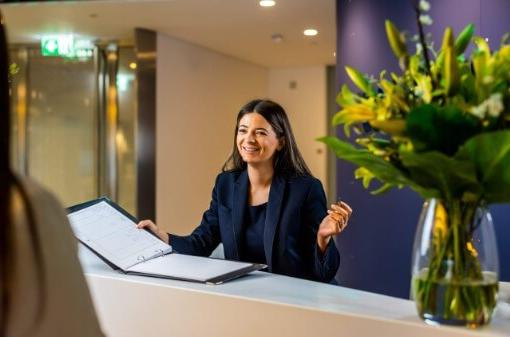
148,224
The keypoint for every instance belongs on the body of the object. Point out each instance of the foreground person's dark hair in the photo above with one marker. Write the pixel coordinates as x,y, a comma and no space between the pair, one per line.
10,186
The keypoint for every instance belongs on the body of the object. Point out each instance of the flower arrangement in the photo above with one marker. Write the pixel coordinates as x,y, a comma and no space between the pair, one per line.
442,128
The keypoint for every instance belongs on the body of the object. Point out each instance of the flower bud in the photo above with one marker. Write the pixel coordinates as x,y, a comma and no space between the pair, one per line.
464,38
360,81
450,72
447,38
395,39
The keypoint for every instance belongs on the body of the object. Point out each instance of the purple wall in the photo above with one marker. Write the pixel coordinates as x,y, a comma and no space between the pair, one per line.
376,249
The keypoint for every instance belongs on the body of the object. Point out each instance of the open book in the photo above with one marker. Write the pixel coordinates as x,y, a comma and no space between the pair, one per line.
111,233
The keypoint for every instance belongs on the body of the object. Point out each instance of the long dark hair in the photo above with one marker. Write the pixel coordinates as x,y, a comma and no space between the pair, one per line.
288,160
8,184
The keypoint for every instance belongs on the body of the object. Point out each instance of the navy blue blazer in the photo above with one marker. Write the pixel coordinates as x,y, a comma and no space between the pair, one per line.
295,209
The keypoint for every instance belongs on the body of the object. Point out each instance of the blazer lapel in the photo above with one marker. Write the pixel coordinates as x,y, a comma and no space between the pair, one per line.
239,202
272,215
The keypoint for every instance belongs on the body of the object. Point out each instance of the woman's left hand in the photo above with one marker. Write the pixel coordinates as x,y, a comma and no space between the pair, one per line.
333,223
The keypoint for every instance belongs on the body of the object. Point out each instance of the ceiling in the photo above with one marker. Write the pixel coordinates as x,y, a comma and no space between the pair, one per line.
239,28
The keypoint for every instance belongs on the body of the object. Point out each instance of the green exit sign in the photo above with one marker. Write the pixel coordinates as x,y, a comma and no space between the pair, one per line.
64,45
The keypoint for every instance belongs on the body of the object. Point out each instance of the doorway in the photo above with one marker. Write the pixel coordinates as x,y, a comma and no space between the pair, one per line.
74,122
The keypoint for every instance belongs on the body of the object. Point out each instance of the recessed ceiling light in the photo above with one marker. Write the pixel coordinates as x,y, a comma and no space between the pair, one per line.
310,32
132,65
267,3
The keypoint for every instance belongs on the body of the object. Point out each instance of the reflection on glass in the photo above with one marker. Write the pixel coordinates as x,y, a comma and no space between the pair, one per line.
56,118
62,126
125,138
18,93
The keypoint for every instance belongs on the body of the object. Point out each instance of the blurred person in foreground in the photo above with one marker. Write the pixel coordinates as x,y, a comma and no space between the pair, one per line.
42,287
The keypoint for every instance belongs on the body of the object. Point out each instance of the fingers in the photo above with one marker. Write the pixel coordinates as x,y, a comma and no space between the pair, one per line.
339,214
342,210
334,224
147,224
335,216
338,222
339,226
342,207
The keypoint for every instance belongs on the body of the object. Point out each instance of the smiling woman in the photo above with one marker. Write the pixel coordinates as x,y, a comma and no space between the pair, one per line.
269,123
266,206
256,139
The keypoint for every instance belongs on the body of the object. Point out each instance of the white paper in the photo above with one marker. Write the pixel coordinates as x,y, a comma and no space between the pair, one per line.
115,236
188,267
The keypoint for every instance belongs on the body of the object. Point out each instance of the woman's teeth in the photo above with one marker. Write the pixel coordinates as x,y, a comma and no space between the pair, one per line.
250,149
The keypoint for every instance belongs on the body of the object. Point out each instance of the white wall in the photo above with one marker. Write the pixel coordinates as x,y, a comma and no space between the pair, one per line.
302,92
198,95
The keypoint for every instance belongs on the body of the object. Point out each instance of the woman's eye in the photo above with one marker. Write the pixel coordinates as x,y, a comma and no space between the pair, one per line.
241,131
261,133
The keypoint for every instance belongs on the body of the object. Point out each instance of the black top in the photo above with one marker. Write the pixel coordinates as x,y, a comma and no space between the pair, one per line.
253,250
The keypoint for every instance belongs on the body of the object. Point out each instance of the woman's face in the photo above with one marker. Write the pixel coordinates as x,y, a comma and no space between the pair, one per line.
256,140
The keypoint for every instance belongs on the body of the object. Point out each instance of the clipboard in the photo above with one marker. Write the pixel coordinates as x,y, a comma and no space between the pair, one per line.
109,232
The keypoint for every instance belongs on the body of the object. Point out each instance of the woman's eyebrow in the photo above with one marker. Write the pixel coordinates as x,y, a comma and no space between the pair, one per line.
257,129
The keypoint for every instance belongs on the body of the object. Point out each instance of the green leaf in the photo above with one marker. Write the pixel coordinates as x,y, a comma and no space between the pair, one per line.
490,154
468,85
436,171
383,170
440,128
383,189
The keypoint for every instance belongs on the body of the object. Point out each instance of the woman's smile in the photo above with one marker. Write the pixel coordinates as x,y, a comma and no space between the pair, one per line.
250,149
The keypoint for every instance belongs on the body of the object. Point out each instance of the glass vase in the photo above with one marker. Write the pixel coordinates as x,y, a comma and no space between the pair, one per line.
455,263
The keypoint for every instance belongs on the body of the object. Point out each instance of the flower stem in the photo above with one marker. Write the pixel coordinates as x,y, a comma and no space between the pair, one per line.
455,220
422,41
454,288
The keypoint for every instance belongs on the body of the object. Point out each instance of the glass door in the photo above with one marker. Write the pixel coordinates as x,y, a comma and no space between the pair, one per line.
62,124
64,134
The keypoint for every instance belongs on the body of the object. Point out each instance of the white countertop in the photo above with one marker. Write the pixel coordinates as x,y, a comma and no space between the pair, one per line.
269,291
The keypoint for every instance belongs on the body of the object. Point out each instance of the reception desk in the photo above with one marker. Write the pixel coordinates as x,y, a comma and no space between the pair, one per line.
260,304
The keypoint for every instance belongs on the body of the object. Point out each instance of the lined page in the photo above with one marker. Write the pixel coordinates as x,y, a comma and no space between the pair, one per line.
188,267
115,236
